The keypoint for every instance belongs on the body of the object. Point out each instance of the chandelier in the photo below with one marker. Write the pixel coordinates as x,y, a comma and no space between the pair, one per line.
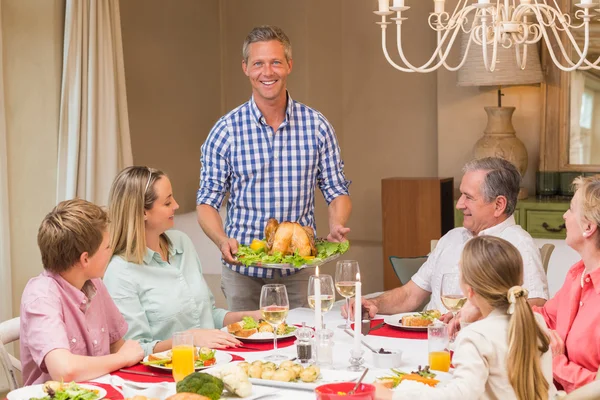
514,24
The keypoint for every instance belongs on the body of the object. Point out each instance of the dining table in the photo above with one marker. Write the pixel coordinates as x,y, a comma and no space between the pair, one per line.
413,347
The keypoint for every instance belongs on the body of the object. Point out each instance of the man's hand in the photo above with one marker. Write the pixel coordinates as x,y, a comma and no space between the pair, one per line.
229,248
214,338
468,313
131,352
366,303
337,233
557,345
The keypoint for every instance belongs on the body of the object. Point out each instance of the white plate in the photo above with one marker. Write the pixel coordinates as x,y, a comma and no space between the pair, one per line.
221,356
394,320
261,340
326,376
37,391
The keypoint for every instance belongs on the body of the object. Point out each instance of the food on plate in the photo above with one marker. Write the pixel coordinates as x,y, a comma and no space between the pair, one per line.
422,375
202,384
287,371
235,380
288,243
203,357
248,326
186,396
67,391
424,318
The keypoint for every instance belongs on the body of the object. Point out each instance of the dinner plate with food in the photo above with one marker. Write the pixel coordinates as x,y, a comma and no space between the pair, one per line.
289,245
251,330
58,390
203,358
414,321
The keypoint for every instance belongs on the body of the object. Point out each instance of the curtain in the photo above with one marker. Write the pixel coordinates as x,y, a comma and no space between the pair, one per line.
5,265
94,142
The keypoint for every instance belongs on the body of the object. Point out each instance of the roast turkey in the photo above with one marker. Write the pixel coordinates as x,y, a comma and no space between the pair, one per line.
290,237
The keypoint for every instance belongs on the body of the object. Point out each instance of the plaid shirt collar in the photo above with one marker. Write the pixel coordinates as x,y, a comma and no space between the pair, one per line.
257,114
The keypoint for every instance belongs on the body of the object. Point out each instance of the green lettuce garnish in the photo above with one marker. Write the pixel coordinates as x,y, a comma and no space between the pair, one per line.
249,323
325,249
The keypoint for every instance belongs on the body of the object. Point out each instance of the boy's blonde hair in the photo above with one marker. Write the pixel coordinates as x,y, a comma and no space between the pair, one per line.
493,268
131,193
72,228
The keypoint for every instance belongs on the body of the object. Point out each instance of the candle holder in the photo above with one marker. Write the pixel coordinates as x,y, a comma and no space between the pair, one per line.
356,360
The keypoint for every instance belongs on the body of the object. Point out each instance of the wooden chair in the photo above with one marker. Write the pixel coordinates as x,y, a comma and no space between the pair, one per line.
546,251
9,332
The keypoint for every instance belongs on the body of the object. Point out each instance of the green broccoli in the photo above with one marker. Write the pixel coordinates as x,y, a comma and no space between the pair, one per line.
201,383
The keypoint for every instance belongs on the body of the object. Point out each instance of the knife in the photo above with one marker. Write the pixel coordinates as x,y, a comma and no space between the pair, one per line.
131,371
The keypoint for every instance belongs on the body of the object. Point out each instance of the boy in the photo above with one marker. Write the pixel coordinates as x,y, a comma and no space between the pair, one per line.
70,328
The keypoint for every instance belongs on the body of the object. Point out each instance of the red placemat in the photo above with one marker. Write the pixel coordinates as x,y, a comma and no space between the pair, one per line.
159,374
390,331
281,343
111,392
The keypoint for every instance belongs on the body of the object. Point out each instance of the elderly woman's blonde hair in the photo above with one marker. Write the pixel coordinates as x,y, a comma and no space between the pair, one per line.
131,193
589,190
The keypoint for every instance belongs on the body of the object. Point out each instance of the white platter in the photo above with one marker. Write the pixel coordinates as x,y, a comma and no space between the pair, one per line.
394,320
222,358
261,340
326,376
37,391
314,263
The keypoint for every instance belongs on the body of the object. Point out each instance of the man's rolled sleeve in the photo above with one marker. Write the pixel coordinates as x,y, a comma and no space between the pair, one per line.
215,171
330,178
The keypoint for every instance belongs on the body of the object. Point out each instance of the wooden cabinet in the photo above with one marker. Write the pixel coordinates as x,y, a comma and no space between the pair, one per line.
415,211
542,218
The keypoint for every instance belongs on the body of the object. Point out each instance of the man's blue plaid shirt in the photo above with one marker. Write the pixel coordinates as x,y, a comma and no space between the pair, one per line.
269,175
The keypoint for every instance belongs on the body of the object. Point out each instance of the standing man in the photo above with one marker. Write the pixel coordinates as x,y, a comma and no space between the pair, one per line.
269,154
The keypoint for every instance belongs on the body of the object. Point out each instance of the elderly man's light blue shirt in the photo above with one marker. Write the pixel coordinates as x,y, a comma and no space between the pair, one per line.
159,298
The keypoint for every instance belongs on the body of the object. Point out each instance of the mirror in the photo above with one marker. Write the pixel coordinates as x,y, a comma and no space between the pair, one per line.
570,139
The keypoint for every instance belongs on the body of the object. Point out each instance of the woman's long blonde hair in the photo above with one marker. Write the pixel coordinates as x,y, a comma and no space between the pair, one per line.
131,193
493,268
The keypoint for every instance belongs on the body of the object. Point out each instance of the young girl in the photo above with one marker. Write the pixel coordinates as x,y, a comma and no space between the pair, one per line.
505,354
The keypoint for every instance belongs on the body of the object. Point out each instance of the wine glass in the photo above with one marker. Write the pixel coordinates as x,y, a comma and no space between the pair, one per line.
327,292
451,293
345,282
274,307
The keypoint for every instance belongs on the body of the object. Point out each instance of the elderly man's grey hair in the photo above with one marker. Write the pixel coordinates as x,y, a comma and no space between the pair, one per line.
266,33
502,179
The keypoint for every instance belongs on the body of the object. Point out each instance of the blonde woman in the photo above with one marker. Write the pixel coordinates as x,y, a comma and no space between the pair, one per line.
572,315
155,275
505,354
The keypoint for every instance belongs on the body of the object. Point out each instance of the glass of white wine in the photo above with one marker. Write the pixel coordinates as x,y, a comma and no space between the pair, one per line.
451,293
327,292
274,307
345,282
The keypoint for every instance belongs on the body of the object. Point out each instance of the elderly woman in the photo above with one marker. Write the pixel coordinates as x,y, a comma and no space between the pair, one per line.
155,275
572,315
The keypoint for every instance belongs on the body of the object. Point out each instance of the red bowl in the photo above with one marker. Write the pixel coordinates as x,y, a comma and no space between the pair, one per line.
331,391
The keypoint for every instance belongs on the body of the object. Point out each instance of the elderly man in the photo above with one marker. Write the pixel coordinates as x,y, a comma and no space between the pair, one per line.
488,198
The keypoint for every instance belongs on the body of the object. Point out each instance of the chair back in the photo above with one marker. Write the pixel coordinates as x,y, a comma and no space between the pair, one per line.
432,245
406,267
9,332
546,251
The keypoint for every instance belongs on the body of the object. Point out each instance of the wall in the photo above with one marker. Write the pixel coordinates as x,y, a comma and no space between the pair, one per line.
173,75
32,33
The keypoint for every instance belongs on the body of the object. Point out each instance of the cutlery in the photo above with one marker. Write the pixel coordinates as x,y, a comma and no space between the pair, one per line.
130,371
362,341
358,383
248,348
377,327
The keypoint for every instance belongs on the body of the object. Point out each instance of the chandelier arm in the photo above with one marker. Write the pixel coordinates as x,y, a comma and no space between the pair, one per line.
553,56
462,62
488,67
386,54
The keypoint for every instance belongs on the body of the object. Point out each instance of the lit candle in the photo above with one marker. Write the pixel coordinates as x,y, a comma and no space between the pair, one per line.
317,300
357,314
384,5
398,3
439,6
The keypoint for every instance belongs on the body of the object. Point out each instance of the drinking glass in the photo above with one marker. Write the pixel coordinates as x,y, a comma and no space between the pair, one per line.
327,292
183,355
274,307
437,343
346,272
451,293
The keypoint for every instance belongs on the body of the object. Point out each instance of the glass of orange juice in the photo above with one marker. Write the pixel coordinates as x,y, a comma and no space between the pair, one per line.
183,355
437,342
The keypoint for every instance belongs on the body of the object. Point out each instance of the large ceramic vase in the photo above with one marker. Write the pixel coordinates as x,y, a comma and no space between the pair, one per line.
499,140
